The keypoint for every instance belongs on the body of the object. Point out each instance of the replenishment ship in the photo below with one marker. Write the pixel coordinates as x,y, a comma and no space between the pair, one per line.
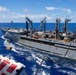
57,43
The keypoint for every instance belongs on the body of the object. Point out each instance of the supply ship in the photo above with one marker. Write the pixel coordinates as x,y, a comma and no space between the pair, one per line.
57,43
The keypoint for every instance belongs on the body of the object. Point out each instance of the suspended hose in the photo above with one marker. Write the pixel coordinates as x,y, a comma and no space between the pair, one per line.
40,65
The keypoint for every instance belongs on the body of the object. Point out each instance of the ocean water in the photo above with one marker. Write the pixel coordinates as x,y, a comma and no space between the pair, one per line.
31,58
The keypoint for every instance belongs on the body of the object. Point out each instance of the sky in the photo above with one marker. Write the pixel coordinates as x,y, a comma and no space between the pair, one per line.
37,10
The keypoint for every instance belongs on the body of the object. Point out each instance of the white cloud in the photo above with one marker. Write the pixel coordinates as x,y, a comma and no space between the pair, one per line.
34,17
3,9
57,8
67,10
26,10
16,17
21,17
39,17
50,8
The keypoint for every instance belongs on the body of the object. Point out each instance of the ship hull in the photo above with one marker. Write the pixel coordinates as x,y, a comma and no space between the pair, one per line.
61,49
13,36
57,49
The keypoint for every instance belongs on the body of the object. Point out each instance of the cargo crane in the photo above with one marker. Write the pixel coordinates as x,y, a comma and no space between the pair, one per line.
45,26
41,24
74,35
65,28
57,28
67,36
26,28
31,26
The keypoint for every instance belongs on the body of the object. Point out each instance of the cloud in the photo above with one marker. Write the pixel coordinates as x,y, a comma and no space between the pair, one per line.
21,17
67,10
39,17
3,9
58,8
26,10
34,17
17,17
50,8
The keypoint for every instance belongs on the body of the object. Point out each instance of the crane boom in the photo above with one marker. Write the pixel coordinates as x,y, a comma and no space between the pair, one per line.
31,26
65,25
28,19
57,28
41,24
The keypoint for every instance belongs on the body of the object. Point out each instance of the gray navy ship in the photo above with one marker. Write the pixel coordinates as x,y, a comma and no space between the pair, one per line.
57,43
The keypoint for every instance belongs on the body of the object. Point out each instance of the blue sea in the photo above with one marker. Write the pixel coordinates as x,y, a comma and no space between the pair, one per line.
32,58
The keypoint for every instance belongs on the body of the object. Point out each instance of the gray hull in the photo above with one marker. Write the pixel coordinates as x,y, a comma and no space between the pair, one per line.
56,49
10,35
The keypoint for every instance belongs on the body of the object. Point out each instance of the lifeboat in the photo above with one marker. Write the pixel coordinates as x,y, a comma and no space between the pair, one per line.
11,67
